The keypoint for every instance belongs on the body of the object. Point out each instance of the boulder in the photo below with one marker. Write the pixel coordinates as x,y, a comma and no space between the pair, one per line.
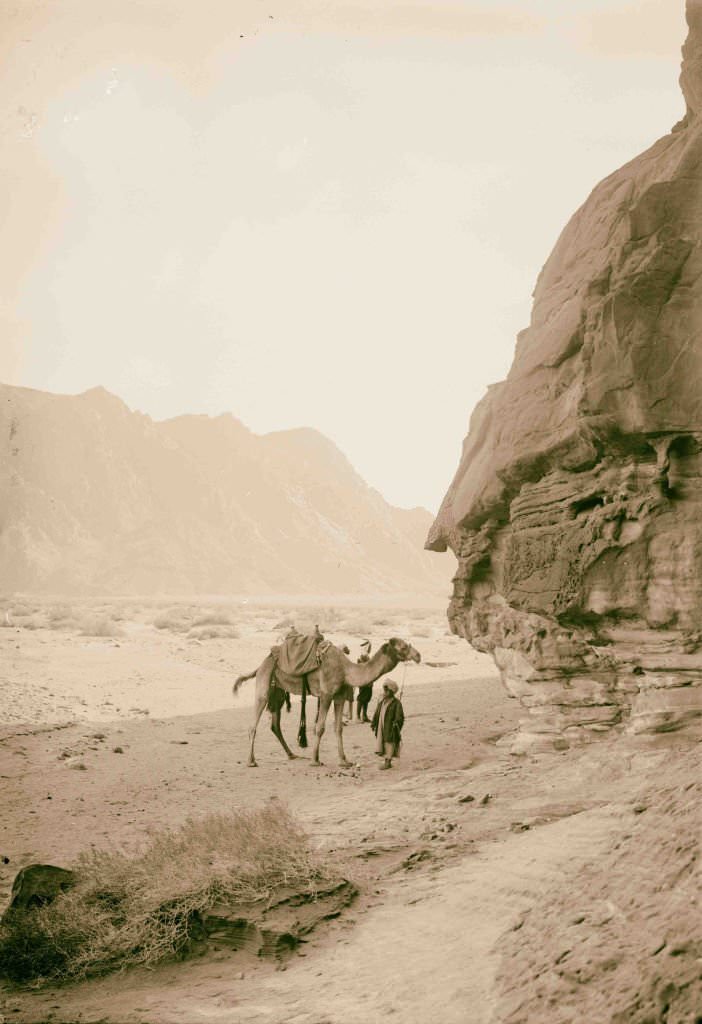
37,885
576,510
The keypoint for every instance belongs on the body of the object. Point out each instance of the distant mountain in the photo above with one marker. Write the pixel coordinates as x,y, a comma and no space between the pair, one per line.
99,499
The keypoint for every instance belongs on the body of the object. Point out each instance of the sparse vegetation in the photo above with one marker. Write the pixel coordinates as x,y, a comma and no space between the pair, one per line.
213,633
60,616
212,619
177,620
142,910
99,625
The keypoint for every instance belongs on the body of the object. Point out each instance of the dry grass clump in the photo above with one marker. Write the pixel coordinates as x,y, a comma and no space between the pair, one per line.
22,615
213,633
141,910
212,619
62,616
177,620
306,617
99,625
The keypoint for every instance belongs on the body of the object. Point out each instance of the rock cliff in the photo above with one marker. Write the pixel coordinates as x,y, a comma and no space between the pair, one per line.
576,510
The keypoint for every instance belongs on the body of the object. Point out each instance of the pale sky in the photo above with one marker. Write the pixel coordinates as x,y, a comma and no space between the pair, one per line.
307,212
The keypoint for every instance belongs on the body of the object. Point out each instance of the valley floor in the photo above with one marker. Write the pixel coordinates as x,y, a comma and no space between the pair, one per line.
452,850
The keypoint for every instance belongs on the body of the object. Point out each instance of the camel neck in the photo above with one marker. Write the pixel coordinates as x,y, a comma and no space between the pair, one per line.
369,671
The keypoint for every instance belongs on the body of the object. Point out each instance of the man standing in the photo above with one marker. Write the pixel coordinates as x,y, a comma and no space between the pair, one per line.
364,692
387,724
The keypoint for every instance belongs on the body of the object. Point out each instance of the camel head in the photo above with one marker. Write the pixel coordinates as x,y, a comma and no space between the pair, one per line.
400,650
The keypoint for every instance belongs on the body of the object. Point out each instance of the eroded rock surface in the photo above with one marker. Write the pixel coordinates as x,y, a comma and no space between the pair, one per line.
576,511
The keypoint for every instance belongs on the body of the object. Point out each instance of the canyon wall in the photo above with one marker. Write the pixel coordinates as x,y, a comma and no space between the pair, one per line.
576,510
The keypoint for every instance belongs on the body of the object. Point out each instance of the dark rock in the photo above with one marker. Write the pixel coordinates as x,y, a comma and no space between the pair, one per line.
37,885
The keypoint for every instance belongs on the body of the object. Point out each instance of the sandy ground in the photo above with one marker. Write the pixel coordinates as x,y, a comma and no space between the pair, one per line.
107,738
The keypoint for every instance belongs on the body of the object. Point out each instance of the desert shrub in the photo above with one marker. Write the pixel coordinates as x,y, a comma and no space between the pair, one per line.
285,623
177,620
99,625
144,909
59,613
62,616
212,619
213,633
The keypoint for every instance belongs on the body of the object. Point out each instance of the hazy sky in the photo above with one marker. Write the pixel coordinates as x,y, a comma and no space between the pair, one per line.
307,212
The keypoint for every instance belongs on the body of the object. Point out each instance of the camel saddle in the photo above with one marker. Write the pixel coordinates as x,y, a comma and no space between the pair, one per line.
298,655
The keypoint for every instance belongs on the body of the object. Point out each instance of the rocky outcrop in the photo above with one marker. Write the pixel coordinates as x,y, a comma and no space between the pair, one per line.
276,927
576,511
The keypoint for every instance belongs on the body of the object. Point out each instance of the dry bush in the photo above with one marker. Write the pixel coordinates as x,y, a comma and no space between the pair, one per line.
177,620
99,625
145,909
212,618
59,613
213,633
62,616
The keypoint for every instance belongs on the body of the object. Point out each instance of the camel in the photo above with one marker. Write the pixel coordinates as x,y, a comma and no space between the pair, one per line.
332,682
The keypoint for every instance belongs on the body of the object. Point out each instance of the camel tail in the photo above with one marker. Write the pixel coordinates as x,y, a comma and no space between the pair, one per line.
238,683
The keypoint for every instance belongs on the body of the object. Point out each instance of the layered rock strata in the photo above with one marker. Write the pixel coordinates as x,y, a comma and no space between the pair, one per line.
576,511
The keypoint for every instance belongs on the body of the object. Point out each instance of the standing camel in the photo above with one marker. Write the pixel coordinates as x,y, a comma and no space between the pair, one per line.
330,682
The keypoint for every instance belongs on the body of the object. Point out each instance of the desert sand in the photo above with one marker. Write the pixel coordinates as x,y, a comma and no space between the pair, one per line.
455,851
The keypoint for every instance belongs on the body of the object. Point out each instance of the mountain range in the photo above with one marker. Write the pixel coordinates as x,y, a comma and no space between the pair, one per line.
97,498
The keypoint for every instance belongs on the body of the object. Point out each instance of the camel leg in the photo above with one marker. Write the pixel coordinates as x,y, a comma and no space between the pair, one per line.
324,702
278,733
339,730
258,711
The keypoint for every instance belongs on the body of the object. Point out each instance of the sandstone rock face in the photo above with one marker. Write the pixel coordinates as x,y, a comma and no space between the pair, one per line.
576,511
